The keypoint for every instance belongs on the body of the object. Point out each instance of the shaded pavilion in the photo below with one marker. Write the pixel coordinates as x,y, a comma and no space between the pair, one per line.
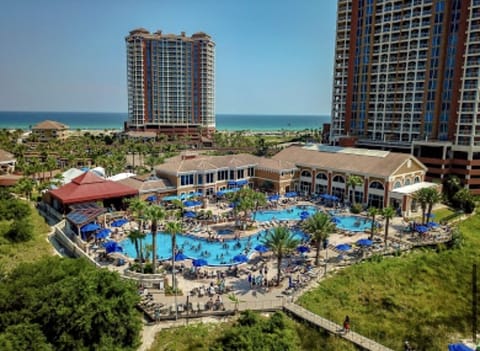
89,187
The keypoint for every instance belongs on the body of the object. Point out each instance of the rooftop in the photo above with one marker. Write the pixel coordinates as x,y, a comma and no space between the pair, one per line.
48,124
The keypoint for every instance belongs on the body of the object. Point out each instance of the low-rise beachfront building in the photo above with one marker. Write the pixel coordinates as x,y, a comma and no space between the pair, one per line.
149,187
314,169
7,162
326,169
48,130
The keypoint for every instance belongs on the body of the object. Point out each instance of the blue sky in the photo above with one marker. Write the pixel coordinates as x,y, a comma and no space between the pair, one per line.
272,56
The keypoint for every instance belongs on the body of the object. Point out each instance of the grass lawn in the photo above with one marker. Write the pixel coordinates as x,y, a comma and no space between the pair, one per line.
12,254
442,213
423,297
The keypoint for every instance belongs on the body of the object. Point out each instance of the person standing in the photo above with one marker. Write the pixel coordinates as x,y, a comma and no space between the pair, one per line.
346,324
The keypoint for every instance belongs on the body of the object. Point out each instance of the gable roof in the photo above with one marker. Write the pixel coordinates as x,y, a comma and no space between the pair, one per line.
6,156
382,164
48,124
90,187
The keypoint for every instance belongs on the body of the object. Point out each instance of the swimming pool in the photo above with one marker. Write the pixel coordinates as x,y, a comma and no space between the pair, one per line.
215,253
353,223
291,213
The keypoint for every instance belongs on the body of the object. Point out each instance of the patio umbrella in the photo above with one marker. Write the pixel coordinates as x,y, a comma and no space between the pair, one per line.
240,258
303,249
112,246
364,242
90,227
343,247
102,234
191,203
220,193
334,198
335,220
291,194
199,262
304,215
119,222
421,228
432,224
189,214
152,198
261,248
459,347
273,198
180,256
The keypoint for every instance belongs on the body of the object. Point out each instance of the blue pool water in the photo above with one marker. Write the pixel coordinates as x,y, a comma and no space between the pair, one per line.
353,223
215,253
292,213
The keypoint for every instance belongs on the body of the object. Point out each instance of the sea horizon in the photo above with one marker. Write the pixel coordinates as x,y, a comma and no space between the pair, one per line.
115,120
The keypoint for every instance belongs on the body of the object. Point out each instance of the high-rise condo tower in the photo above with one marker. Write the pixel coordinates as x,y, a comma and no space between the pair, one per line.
406,77
170,83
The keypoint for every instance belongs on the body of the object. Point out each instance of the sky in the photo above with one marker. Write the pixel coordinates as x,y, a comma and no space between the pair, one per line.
272,56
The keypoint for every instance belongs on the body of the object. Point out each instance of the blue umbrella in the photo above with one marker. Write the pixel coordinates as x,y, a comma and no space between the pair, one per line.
459,347
291,194
421,228
334,198
240,258
432,224
199,262
152,198
90,227
180,256
335,220
261,248
364,242
102,234
343,247
119,222
220,193
303,249
189,214
273,198
112,246
431,215
191,203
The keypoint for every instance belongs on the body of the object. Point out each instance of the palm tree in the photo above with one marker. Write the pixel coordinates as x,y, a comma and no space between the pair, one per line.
452,184
388,213
281,241
432,197
173,228
154,213
372,212
136,236
421,197
352,182
319,226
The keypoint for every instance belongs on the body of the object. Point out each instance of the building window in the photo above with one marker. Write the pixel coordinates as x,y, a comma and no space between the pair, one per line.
376,185
209,178
240,174
306,174
397,185
251,171
186,179
416,180
339,179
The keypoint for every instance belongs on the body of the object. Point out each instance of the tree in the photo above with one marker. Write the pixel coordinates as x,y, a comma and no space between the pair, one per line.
173,228
451,186
432,196
21,230
465,200
154,213
136,236
281,241
73,304
352,182
388,213
373,212
25,187
421,197
319,226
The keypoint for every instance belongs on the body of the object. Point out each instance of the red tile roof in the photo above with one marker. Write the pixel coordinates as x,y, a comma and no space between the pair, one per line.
90,187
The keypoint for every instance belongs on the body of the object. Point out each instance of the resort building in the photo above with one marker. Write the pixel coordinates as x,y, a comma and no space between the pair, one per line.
48,130
406,79
149,186
170,83
315,169
7,162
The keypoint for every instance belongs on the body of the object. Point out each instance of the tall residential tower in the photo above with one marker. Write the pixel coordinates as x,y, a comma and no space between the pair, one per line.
170,83
406,77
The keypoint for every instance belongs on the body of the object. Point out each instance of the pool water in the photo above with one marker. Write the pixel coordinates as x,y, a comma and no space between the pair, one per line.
292,213
215,253
353,223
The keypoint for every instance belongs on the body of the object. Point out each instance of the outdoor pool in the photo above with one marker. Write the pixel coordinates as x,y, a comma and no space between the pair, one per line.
352,223
215,253
292,213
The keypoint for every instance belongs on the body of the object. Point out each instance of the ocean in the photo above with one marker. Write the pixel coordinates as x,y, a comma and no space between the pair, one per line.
101,121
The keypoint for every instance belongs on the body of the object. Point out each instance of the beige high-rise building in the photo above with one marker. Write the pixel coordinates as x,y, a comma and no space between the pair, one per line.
171,80
406,78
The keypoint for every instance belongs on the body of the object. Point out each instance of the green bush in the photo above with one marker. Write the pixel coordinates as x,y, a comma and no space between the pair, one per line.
356,208
20,231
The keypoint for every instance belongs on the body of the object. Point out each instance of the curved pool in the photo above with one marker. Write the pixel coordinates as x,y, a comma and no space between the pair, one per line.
352,223
214,252
291,213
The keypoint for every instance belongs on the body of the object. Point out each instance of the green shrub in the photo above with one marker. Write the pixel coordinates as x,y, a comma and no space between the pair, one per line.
356,208
20,231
